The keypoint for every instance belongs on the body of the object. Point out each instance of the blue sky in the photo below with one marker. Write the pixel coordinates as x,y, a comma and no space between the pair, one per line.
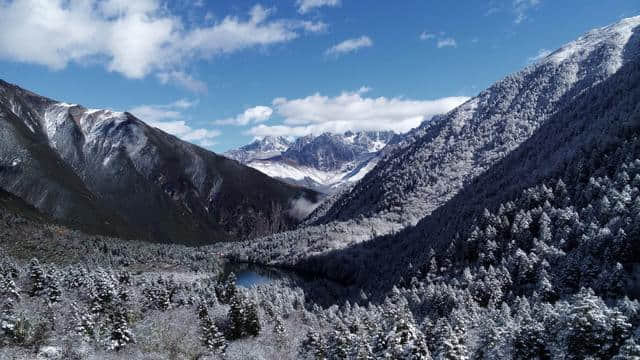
219,72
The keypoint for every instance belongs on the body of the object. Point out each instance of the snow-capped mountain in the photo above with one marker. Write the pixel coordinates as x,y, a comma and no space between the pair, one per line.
260,149
453,149
450,153
110,172
324,162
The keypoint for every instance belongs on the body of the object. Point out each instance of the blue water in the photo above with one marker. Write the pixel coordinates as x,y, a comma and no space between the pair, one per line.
248,278
248,275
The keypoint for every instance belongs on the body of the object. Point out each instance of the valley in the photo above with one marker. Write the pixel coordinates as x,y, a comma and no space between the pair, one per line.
505,228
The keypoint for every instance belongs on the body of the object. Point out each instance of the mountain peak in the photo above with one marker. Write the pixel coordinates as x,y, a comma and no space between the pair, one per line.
260,149
322,162
612,38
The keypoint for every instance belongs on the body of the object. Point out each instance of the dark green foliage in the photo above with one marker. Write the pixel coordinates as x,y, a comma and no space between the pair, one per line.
38,280
212,338
54,295
243,317
314,346
121,335
252,321
237,316
280,331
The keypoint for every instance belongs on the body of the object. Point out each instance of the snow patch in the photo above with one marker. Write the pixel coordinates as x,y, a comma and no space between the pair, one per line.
54,117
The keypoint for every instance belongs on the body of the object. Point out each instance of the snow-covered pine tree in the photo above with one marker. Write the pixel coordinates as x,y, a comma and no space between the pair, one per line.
8,321
237,316
405,341
121,334
340,344
279,331
38,281
251,318
314,346
8,288
212,337
451,346
83,321
629,351
52,289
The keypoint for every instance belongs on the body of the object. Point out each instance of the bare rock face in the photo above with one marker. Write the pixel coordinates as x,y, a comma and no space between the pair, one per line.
110,172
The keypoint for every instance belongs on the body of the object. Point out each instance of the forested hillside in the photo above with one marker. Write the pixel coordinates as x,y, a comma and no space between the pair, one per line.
452,152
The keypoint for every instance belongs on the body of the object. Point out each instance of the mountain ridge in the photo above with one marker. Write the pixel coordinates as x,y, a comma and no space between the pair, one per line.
324,162
131,179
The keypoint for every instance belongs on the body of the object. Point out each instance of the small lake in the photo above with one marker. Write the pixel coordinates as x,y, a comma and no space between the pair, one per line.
248,275
321,290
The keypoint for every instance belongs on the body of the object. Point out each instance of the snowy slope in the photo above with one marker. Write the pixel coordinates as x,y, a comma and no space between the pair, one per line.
260,149
324,163
454,149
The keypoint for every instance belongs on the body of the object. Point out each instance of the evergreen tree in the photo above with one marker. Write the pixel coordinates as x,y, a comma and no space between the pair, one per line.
451,345
103,292
84,322
279,331
121,334
229,290
8,288
593,329
8,321
251,321
212,338
363,349
313,346
38,281
341,343
53,291
237,316
629,351
405,341
530,342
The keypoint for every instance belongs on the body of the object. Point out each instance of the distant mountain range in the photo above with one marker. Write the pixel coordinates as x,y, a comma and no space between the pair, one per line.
325,162
110,172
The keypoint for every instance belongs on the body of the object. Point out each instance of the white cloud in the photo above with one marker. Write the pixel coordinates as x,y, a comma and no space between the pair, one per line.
314,27
349,45
521,7
170,118
252,115
447,42
542,53
182,79
133,38
353,111
442,41
304,6
427,36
